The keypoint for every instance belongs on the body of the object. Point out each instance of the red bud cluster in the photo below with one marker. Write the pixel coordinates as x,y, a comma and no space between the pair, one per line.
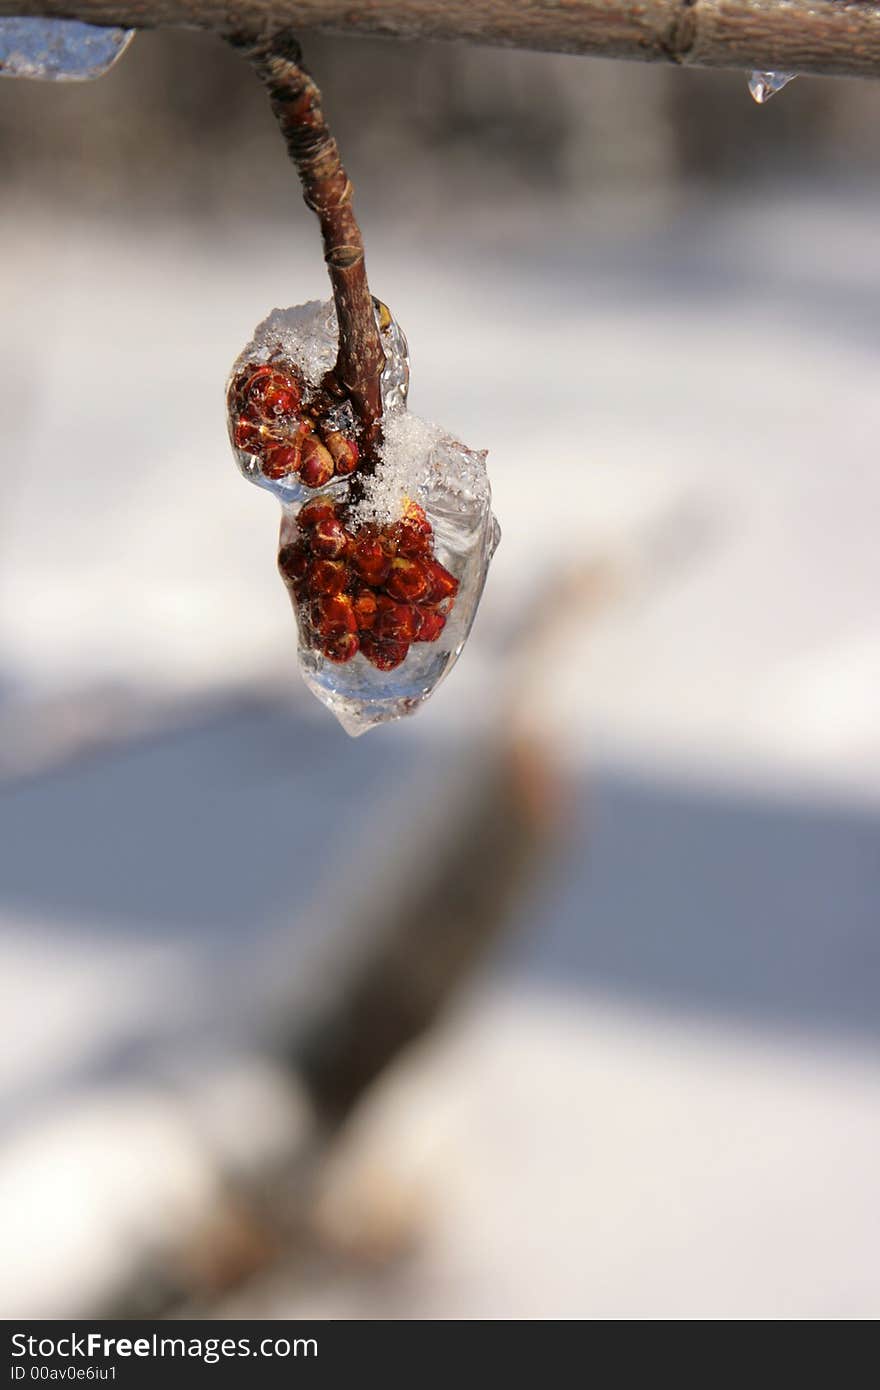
284,433
374,589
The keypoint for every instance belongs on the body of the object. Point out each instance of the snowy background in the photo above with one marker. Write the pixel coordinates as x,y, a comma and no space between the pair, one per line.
664,1098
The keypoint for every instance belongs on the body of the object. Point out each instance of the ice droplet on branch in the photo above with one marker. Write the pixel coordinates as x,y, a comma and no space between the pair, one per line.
59,50
764,85
384,566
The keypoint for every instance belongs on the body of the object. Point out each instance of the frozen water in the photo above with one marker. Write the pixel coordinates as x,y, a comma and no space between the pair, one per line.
59,50
395,378
764,85
450,482
419,466
307,336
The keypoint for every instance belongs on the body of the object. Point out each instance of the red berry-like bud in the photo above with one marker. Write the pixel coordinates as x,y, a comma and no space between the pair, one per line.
271,389
341,647
281,397
441,584
395,622
407,580
432,624
406,540
329,538
253,411
246,435
315,510
316,468
280,460
327,577
370,556
344,452
293,560
412,535
254,380
365,608
384,655
333,615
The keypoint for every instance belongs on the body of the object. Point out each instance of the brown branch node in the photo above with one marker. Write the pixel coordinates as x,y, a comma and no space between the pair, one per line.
679,40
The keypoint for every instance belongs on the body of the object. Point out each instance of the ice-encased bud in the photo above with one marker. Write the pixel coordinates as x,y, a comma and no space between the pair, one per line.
59,50
421,630
384,567
305,337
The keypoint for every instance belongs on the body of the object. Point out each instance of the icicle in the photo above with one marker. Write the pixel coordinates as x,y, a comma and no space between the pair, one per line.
764,85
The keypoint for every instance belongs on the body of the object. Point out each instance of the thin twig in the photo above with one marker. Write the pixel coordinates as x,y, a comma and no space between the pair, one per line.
327,189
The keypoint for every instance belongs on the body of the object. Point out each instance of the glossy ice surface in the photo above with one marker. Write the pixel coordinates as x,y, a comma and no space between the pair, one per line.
59,50
454,493
377,635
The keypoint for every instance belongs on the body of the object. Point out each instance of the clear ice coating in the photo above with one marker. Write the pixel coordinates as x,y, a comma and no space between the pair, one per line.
384,569
307,336
59,50
764,85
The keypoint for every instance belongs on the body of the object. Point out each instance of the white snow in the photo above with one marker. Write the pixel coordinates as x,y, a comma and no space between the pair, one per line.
405,462
304,334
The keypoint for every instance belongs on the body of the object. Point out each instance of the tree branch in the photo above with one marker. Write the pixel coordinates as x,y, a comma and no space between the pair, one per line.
836,37
296,102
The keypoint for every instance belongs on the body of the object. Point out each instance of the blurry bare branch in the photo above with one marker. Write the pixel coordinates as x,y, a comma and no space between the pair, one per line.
835,37
429,936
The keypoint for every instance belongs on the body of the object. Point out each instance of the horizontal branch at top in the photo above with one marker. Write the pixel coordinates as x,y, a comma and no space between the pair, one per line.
820,36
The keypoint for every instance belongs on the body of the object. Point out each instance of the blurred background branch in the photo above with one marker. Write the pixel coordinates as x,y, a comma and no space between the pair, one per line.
828,37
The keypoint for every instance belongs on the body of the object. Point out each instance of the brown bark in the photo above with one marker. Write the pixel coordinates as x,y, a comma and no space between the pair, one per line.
837,37
296,102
